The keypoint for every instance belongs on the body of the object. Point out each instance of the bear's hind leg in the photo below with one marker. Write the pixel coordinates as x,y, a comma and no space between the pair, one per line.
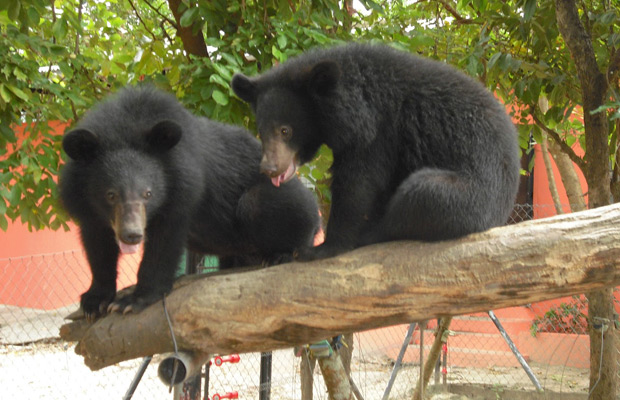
435,204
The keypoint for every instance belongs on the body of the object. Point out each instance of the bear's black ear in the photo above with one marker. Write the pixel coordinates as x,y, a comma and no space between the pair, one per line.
244,88
80,144
323,77
164,135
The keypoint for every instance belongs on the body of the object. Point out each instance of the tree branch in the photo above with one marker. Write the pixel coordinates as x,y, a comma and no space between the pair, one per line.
556,137
371,287
458,18
146,28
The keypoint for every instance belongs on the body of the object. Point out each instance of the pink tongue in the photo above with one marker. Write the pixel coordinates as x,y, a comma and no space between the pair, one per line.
277,180
128,248
280,179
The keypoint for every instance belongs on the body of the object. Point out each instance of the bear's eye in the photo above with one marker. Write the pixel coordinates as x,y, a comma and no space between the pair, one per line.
147,195
111,196
286,132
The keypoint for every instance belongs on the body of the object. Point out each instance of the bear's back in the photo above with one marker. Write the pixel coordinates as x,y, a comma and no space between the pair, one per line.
123,118
419,103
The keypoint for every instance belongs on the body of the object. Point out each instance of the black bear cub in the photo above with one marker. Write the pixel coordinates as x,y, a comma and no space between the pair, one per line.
143,169
421,151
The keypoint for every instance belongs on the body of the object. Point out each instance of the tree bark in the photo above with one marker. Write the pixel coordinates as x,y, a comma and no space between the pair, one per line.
594,86
371,287
570,179
553,188
335,377
191,36
594,92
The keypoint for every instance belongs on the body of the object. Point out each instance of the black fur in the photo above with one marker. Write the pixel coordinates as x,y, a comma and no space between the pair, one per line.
197,181
421,151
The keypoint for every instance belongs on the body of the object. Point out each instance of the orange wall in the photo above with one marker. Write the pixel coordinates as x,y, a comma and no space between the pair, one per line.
52,275
47,269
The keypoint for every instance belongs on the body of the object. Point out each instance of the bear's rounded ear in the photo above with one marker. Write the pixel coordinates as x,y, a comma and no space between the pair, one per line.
164,135
244,88
80,144
323,77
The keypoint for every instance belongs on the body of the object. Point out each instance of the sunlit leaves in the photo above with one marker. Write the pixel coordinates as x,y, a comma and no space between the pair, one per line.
56,62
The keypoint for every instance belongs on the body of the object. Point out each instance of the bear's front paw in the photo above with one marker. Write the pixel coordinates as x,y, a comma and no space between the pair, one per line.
276,259
95,303
318,252
134,303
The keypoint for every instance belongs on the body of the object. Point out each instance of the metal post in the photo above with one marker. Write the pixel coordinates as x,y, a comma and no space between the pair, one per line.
137,378
206,391
399,361
515,351
265,376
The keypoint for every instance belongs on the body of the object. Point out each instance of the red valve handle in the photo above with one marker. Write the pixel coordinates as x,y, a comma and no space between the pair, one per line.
234,358
229,395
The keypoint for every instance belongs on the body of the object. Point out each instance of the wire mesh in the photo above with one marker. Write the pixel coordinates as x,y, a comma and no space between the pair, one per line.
34,363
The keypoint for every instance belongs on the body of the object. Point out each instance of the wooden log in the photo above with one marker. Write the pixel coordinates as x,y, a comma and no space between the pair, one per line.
371,287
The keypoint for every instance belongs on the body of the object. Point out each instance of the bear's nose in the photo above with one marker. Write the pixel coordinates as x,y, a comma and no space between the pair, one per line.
131,237
267,167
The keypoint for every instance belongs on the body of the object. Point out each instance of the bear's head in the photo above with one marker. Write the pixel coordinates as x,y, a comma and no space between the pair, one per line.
126,185
284,104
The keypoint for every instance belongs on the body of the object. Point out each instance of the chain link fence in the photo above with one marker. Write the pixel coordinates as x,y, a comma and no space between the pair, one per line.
38,291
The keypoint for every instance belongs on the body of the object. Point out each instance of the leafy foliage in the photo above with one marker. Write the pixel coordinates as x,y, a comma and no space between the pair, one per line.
567,317
58,58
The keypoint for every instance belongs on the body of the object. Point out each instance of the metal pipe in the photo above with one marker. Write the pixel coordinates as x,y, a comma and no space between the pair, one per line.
137,378
188,365
516,351
399,360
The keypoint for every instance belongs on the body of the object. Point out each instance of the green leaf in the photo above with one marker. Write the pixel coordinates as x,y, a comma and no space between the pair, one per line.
7,132
57,50
215,78
33,16
189,16
608,17
4,93
18,92
276,53
529,9
19,74
14,195
36,175
493,59
372,5
60,28
219,97
13,9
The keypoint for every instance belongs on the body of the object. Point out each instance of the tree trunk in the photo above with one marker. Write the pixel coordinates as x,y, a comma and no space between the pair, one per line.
371,287
569,177
603,382
335,377
553,188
